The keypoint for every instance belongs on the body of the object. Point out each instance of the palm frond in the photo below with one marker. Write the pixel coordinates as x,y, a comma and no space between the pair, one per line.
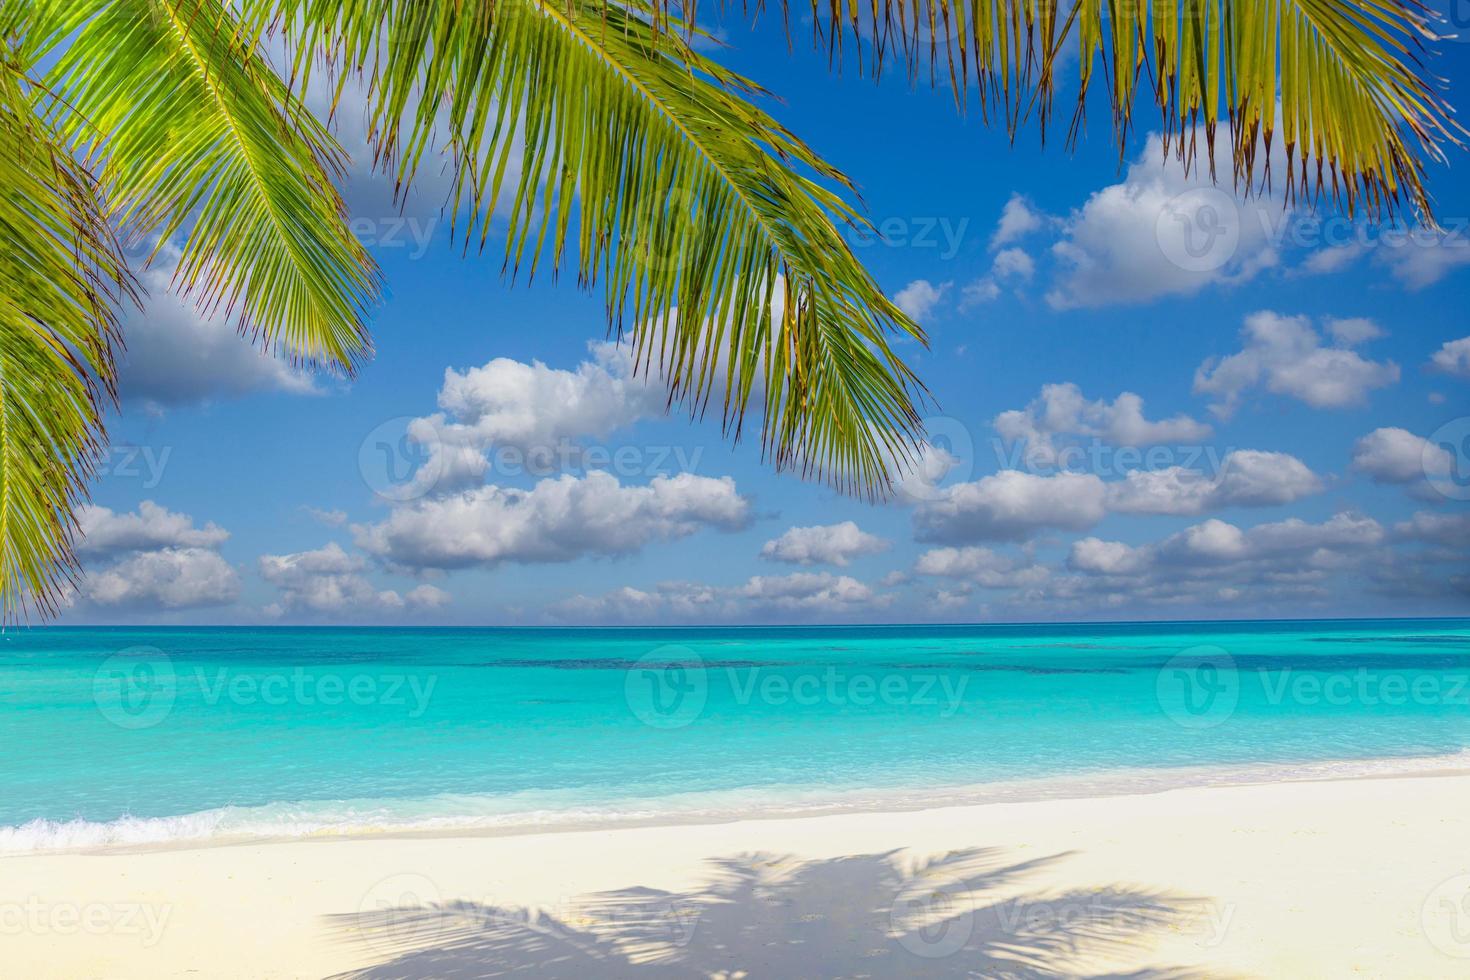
614,137
62,276
1359,114
195,135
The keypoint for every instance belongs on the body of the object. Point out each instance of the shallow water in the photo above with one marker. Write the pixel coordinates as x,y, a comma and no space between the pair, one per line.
152,735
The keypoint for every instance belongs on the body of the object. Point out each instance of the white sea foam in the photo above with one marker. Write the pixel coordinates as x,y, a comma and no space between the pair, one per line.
530,811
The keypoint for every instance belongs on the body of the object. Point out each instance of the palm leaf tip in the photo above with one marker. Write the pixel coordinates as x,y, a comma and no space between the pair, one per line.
62,277
597,130
1346,81
200,140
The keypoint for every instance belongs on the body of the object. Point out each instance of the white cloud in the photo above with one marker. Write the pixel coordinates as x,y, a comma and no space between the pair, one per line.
176,355
1062,410
529,407
1442,530
106,532
1265,561
558,520
1285,354
1010,506
919,298
1017,220
328,580
1106,557
1012,263
329,517
1453,358
1161,233
1327,261
1351,331
982,566
1397,456
1247,478
801,595
1010,267
160,560
1423,260
830,544
164,579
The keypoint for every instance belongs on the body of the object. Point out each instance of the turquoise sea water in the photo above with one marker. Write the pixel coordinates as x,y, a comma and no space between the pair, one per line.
149,735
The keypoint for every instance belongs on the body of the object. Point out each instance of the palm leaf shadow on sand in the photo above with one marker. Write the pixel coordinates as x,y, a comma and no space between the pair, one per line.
768,916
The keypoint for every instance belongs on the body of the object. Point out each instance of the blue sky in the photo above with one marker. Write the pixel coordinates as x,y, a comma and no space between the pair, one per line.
1149,403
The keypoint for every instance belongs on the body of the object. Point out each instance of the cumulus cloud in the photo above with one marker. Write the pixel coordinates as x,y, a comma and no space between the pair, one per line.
176,355
1287,356
1247,478
106,532
1099,557
1394,455
1158,233
558,520
1398,457
1424,259
980,565
1017,220
152,559
529,407
1011,506
801,595
164,579
1216,562
919,298
1061,410
328,580
1440,530
1453,358
823,544
1011,267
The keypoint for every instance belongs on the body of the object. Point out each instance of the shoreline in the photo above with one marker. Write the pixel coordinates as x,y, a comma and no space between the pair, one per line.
1104,784
1312,878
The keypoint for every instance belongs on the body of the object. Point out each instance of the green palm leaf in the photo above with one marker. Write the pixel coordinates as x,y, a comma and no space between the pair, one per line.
1342,84
195,135
677,193
62,276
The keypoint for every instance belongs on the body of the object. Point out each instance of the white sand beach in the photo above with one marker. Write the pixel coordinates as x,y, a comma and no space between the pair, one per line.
1361,877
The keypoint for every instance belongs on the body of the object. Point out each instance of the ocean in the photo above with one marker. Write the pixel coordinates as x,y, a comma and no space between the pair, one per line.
123,736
